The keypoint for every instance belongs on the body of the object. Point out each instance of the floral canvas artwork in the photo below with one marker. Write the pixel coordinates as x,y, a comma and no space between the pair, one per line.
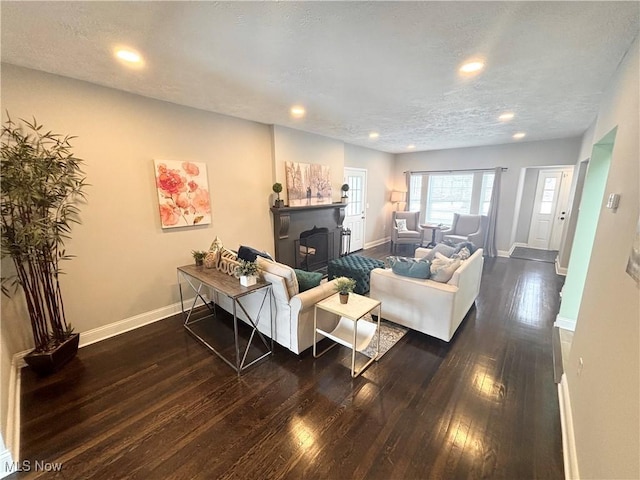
183,193
308,184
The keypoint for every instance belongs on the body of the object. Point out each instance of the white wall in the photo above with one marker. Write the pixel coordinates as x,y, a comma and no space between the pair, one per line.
605,396
514,156
291,145
379,166
126,263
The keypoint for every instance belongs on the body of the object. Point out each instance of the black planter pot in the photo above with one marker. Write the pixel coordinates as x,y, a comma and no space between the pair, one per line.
50,362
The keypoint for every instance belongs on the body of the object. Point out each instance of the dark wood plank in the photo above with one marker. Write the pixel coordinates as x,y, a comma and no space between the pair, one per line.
153,403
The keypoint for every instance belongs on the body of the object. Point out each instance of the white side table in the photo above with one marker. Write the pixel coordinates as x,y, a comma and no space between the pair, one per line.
349,332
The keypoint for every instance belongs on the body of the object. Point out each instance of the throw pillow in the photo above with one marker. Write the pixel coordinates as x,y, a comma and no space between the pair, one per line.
401,223
442,268
462,254
307,280
250,254
469,245
441,248
410,267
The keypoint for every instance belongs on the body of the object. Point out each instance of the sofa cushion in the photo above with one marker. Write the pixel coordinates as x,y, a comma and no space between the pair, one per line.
284,271
307,280
442,268
250,254
410,267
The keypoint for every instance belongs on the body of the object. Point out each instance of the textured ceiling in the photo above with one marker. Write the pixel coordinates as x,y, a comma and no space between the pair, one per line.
357,67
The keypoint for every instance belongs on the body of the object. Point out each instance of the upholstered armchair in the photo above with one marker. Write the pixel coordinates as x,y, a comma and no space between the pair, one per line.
412,235
466,228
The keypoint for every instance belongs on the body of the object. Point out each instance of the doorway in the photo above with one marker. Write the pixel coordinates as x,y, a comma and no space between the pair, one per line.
355,213
550,208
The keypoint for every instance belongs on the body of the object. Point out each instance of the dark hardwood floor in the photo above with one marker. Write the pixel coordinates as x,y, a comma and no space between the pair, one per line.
154,404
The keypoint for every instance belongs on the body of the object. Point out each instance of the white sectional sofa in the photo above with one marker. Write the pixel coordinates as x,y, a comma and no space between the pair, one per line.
430,307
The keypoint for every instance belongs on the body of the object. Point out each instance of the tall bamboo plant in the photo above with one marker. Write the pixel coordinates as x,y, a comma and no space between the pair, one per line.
41,184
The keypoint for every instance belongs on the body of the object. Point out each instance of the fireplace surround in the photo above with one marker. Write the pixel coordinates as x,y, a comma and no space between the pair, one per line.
290,222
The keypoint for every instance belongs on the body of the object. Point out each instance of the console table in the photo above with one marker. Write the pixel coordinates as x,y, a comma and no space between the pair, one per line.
198,277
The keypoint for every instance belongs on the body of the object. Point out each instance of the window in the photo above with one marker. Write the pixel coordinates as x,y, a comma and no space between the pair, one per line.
446,195
449,193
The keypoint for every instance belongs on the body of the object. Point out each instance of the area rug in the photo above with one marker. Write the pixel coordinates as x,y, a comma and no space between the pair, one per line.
390,334
525,253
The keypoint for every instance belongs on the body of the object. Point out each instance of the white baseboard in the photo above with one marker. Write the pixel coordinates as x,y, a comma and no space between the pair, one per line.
560,270
375,243
514,245
569,451
7,467
504,253
566,323
86,338
13,413
128,324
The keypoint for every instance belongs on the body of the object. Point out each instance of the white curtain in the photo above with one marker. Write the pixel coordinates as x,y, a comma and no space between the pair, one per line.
407,199
490,249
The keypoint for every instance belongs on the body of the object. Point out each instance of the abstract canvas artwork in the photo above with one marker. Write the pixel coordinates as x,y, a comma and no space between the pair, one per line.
183,193
633,265
307,184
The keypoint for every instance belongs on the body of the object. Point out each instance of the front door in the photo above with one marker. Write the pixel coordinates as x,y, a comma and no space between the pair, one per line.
354,220
546,220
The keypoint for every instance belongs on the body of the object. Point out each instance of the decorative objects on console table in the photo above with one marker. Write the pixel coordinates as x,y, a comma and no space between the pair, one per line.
352,331
41,183
345,286
199,256
247,271
199,279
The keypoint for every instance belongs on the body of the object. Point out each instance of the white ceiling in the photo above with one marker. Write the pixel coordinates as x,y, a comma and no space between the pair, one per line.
357,67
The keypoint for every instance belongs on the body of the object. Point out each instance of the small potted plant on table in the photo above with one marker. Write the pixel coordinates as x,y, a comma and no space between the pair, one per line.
198,256
344,286
248,272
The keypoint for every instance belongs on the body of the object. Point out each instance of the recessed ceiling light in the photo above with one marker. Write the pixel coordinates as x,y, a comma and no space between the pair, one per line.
129,56
519,135
374,135
472,67
505,117
297,111
411,147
